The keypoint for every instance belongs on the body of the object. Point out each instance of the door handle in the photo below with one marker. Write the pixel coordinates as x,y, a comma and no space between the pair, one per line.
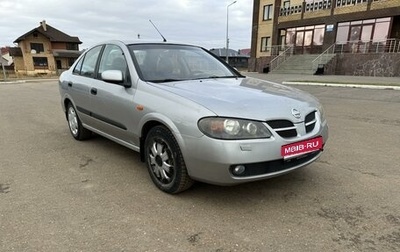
69,84
93,91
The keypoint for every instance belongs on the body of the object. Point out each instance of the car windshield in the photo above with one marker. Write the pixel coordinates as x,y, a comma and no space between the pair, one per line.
167,62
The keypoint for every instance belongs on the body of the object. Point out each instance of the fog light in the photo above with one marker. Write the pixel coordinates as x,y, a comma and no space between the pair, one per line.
239,169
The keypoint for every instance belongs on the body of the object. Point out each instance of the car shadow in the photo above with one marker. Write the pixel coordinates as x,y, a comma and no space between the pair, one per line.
282,189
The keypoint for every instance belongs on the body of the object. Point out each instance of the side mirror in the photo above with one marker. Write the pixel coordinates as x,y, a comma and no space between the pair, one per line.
113,76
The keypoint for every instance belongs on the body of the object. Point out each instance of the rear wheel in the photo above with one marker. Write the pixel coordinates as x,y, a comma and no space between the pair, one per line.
165,162
75,125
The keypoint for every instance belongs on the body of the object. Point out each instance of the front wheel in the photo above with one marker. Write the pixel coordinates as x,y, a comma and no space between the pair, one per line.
165,162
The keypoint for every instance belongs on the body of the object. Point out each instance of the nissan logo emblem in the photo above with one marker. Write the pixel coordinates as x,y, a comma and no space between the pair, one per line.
296,113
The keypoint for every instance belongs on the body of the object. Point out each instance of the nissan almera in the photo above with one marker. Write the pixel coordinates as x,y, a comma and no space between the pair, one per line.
190,115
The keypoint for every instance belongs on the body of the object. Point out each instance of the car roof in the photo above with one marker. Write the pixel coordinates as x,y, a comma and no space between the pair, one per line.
143,41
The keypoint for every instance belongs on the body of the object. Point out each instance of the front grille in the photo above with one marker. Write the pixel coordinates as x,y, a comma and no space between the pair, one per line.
287,129
284,128
274,166
310,121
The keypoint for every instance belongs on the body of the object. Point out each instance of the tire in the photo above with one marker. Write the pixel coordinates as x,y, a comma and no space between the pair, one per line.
165,162
75,125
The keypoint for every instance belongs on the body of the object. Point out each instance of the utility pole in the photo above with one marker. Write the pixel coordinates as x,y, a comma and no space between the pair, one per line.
227,31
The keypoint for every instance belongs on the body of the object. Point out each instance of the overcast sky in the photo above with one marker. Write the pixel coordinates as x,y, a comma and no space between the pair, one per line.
201,22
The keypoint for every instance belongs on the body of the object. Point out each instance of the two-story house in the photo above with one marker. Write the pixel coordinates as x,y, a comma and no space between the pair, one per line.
44,51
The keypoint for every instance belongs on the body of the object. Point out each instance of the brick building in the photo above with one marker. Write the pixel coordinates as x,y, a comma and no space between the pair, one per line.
44,51
338,28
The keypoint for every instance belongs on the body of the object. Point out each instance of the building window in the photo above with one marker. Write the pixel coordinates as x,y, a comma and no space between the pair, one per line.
342,34
37,47
268,12
71,61
299,38
306,36
286,4
376,30
264,44
350,2
72,46
381,31
40,62
285,10
319,32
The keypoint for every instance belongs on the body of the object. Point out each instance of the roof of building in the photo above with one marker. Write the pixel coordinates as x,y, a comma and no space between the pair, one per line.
245,51
221,52
51,33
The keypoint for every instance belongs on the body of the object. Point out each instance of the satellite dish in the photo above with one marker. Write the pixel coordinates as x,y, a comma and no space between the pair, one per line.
33,51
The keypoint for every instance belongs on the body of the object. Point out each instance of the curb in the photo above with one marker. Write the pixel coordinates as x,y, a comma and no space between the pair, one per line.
25,81
342,85
12,82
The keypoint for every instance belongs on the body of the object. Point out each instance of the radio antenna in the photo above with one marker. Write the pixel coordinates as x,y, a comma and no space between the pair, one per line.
158,31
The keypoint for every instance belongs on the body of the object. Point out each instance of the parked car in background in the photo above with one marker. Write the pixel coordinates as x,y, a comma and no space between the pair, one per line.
191,116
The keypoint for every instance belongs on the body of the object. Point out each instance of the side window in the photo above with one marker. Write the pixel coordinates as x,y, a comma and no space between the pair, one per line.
89,62
78,66
113,59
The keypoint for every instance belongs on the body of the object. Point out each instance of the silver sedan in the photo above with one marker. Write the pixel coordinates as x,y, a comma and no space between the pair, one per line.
191,116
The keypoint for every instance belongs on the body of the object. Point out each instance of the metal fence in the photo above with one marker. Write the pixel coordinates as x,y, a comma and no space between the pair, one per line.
279,59
382,46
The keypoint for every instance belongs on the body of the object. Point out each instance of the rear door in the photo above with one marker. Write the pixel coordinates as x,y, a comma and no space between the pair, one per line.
81,81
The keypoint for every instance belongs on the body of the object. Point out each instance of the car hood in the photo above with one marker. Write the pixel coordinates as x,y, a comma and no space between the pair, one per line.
245,98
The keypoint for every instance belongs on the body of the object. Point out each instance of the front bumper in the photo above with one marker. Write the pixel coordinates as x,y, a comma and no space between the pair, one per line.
212,161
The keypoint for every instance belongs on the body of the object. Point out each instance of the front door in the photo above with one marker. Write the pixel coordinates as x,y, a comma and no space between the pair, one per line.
308,41
113,105
304,41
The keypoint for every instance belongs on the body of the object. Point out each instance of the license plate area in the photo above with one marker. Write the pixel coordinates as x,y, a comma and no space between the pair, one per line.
301,148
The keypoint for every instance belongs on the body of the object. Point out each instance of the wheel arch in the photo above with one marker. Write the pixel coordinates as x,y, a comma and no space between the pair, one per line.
145,130
158,120
67,101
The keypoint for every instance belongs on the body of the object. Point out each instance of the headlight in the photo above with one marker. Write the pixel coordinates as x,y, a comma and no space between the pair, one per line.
231,128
